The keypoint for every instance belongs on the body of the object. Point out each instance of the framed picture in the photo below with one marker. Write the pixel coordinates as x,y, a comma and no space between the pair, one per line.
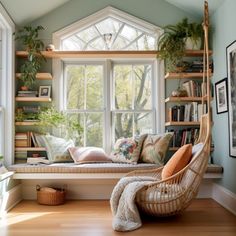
231,73
221,96
45,91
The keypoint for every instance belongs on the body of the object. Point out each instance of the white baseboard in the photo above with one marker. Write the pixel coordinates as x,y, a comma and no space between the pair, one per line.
224,197
10,199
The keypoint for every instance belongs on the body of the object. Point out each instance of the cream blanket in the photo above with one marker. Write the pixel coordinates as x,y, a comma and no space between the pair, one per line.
125,212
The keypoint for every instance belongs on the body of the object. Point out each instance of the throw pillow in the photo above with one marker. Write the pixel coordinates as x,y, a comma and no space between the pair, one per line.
127,150
155,148
57,148
178,161
197,148
82,155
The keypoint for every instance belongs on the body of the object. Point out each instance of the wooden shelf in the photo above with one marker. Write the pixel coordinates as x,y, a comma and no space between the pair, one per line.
184,99
184,75
182,123
33,99
26,123
104,54
39,76
30,149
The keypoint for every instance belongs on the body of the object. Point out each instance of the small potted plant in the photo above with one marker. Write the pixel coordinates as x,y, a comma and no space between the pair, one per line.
172,42
28,36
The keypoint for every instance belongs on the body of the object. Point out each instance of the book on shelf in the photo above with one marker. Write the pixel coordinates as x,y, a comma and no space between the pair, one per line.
184,136
27,93
37,160
194,88
22,139
188,112
31,109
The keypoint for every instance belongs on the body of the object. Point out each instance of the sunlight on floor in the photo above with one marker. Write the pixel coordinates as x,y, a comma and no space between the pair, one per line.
15,218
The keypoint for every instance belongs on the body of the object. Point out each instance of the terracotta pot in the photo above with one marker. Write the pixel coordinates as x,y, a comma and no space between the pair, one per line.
24,88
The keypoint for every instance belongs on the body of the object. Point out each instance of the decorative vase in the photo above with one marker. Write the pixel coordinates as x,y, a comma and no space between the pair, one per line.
191,44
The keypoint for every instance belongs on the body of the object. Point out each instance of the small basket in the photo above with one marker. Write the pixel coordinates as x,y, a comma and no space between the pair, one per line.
51,198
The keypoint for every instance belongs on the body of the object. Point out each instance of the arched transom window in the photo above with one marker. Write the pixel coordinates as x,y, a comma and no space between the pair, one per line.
110,34
108,29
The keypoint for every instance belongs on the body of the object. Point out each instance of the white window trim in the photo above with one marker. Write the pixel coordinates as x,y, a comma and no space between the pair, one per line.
8,87
101,15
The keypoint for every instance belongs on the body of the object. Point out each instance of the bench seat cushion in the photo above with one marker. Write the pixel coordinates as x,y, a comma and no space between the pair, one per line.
92,168
82,168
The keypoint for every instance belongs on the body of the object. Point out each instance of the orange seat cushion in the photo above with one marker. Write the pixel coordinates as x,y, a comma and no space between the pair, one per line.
178,161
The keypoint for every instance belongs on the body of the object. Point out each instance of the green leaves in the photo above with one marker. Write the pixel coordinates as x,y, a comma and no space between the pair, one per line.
171,44
28,36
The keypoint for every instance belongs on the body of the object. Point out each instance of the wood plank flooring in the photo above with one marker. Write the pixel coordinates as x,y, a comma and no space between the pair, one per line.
93,218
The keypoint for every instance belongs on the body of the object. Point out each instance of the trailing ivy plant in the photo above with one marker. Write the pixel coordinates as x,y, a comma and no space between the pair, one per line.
29,37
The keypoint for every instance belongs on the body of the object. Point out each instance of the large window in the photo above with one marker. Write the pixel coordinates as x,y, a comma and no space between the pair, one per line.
110,97
124,100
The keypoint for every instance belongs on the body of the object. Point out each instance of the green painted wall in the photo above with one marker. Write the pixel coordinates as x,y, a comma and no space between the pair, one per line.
157,12
223,22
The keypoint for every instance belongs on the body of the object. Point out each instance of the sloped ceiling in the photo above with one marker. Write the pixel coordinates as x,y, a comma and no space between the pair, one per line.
195,7
25,11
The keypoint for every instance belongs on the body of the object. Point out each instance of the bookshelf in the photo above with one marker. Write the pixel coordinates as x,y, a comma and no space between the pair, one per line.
182,113
29,103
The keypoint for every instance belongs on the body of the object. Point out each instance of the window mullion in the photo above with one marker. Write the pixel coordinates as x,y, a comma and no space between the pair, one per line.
117,34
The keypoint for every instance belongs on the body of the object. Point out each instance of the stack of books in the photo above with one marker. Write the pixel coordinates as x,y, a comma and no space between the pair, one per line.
197,66
27,93
23,139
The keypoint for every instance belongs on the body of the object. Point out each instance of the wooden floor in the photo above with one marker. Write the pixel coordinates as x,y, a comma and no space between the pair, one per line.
86,218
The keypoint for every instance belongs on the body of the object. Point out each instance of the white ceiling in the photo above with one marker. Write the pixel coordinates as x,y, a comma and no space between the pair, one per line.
26,11
196,7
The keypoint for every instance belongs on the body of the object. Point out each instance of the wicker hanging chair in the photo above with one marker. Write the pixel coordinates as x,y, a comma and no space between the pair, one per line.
172,195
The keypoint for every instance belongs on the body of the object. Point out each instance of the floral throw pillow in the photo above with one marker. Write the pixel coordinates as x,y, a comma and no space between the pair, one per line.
127,150
155,148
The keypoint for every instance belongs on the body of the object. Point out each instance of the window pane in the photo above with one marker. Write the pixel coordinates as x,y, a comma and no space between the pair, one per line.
78,117
94,129
109,26
73,43
88,34
123,125
123,87
75,86
130,33
94,81
142,76
142,123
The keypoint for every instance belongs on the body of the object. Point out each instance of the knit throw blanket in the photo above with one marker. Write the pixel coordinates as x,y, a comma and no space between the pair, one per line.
125,212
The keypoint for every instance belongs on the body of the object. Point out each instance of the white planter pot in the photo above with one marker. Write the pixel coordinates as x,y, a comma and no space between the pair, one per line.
192,45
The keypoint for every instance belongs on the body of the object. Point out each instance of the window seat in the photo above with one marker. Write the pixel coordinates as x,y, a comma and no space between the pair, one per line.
93,170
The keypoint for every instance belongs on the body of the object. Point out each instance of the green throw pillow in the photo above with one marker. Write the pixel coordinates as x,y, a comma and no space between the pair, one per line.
57,148
155,148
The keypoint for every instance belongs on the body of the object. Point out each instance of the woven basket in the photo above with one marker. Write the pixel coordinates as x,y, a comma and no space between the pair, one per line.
51,198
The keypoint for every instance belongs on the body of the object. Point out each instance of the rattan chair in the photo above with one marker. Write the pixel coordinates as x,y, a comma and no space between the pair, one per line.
172,195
